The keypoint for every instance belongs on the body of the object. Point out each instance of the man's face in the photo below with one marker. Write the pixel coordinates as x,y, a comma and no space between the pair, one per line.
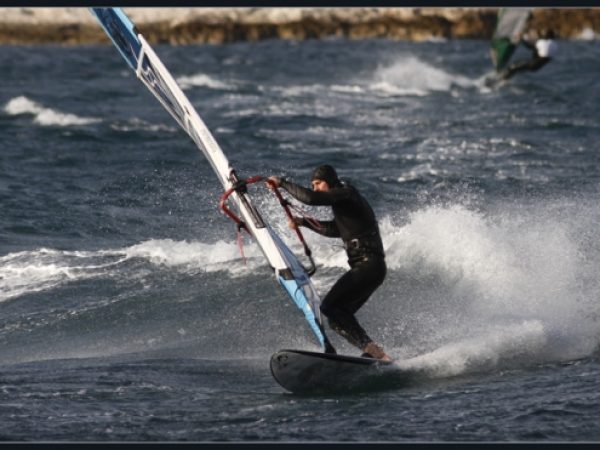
319,185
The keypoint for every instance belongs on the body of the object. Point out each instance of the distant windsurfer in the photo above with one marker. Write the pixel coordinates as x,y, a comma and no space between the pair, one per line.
543,50
354,221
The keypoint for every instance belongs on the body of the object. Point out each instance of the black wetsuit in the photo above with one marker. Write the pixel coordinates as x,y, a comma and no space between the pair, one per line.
355,222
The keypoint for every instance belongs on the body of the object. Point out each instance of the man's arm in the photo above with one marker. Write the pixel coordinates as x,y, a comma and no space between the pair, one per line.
529,44
310,197
326,228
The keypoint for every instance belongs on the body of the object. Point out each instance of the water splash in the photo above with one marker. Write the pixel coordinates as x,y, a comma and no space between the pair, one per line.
411,76
494,289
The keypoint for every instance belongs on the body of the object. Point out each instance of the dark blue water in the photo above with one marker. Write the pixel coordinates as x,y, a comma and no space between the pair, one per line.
128,314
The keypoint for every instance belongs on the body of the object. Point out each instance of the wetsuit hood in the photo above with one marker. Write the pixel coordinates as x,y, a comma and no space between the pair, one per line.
326,173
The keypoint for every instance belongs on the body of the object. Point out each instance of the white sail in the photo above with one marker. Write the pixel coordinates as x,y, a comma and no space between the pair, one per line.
511,21
150,70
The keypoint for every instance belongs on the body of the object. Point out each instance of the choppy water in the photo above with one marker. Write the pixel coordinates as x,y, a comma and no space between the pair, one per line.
127,313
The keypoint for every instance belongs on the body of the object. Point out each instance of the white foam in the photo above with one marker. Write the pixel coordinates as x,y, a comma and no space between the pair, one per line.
352,89
202,80
45,116
587,34
298,90
411,76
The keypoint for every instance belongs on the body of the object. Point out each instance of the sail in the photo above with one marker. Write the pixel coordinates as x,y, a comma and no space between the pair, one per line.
510,25
150,70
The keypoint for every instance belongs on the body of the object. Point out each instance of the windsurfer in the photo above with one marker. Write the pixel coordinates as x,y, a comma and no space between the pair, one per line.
354,221
543,50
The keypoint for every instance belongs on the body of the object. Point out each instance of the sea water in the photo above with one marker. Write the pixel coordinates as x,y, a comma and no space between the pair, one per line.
127,312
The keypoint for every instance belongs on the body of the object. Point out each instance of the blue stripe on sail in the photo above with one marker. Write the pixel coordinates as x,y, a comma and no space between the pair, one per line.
123,34
296,293
160,88
121,31
294,287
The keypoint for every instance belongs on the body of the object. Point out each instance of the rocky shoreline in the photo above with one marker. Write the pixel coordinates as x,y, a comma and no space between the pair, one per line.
222,25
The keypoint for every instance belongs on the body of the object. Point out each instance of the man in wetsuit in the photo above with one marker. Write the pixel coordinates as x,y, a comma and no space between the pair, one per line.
543,51
355,222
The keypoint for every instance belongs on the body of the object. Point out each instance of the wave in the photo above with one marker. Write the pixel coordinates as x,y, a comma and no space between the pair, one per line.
201,80
407,76
193,256
136,124
45,116
587,34
411,76
43,269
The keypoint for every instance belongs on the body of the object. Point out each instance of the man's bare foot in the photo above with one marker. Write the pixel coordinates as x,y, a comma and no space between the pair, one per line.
375,351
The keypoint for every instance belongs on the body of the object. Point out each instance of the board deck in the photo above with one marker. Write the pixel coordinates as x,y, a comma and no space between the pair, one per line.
305,372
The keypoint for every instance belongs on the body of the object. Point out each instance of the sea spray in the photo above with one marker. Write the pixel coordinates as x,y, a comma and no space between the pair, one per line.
409,75
504,287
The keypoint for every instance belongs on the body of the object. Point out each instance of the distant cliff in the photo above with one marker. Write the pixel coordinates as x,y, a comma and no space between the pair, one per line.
221,25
